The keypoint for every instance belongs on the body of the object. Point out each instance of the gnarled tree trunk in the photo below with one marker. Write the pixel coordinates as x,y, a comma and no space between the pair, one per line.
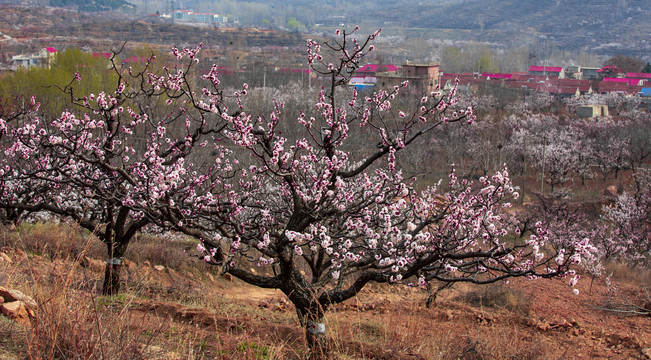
111,284
116,250
311,319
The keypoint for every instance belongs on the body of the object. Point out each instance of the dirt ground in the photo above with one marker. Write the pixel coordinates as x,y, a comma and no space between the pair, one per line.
187,314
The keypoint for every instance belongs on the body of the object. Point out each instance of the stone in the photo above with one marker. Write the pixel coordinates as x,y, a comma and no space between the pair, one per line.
147,263
228,277
5,257
159,267
10,295
647,306
611,191
2,299
19,255
131,266
647,352
16,310
210,277
264,304
94,265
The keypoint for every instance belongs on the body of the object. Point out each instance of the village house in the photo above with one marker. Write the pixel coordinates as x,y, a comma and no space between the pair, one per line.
589,73
365,77
42,58
590,111
423,78
552,71
192,17
581,72
611,71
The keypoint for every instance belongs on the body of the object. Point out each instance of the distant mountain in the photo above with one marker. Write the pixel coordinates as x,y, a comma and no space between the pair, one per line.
624,24
605,26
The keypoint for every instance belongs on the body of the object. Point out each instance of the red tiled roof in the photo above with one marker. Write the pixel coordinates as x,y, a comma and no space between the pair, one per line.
497,76
523,85
618,87
565,86
638,75
378,67
630,82
51,50
106,55
546,68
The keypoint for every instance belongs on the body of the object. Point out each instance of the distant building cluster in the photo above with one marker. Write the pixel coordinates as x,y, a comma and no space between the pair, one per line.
197,17
559,81
569,81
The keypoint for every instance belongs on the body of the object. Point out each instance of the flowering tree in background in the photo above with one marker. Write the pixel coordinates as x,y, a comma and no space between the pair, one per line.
11,110
637,131
629,220
556,151
321,220
105,163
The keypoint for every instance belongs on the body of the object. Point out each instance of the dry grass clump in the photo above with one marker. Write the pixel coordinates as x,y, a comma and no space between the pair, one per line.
83,327
159,250
498,344
623,272
54,241
499,296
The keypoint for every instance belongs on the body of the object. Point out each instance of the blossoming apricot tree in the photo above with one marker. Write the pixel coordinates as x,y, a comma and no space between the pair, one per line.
105,163
628,220
325,213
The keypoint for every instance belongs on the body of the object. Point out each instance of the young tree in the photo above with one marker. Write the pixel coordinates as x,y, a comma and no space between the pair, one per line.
324,220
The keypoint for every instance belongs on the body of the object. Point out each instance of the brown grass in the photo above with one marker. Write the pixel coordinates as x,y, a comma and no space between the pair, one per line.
54,241
234,321
499,296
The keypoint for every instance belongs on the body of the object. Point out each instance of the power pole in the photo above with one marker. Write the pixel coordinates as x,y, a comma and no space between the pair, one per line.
542,174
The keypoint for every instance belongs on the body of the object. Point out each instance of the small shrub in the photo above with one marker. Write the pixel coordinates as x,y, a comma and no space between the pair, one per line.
374,329
253,350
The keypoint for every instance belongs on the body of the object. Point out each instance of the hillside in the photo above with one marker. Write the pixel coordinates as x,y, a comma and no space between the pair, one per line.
604,26
572,24
176,307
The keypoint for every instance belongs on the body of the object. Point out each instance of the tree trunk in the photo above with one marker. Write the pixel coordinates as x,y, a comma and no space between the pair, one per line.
116,250
315,332
112,278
